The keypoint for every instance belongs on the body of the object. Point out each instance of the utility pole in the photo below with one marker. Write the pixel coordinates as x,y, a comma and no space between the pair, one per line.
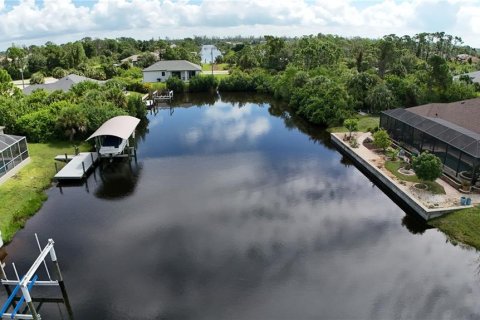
211,54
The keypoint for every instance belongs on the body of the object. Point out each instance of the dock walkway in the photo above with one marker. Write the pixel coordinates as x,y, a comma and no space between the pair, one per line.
77,167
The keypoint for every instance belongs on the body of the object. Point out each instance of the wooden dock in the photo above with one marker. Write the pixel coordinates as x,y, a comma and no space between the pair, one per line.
77,167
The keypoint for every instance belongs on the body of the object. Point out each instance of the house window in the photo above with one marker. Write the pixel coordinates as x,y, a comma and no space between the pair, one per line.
163,73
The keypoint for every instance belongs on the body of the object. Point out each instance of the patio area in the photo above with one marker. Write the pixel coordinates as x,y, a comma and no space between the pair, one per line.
425,198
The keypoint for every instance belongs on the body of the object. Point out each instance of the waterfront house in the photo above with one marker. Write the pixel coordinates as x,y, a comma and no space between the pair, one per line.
13,154
451,131
162,70
63,84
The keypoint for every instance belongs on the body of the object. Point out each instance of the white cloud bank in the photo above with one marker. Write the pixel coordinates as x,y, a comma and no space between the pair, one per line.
28,21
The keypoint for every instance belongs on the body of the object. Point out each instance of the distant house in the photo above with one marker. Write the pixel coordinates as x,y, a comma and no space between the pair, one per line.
133,60
475,76
162,70
63,84
463,57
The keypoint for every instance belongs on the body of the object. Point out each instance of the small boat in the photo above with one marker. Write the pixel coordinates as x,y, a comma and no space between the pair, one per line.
112,136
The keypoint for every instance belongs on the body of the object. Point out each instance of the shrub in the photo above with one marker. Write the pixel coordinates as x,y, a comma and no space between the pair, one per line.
98,114
37,78
427,166
135,106
381,139
59,73
80,88
237,81
203,84
175,84
38,126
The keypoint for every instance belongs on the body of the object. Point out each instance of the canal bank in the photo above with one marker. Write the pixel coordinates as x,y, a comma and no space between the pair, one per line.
370,163
238,211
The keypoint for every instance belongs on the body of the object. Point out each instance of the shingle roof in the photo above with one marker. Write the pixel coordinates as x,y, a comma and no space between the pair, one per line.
475,76
63,84
173,65
464,113
460,137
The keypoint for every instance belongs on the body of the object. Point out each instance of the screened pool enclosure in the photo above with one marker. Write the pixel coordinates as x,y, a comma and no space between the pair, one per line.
456,146
13,150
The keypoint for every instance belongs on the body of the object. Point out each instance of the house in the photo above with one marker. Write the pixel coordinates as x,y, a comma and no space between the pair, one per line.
63,84
466,58
451,131
133,59
475,76
162,70
13,154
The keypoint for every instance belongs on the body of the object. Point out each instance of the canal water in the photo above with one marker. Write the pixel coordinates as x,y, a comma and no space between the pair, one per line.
209,53
238,210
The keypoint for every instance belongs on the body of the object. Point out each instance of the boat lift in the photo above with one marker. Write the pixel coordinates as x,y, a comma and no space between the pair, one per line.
26,283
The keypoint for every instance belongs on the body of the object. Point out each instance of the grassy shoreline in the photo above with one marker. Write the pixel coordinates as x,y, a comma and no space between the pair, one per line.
23,194
461,226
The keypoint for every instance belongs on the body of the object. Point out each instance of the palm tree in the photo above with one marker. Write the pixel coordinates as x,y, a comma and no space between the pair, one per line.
71,120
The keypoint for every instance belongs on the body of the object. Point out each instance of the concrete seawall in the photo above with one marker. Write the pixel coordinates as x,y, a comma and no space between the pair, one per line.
388,183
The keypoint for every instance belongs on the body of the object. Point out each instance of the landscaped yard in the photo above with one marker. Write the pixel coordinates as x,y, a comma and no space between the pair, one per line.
364,124
216,67
393,167
23,194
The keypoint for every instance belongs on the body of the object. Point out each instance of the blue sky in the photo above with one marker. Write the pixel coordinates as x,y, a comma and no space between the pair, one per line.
35,22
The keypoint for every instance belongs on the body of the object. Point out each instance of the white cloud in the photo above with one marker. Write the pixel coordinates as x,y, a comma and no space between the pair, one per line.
63,20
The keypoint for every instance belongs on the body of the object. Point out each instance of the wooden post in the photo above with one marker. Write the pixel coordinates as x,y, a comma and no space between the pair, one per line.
91,155
83,166
66,158
56,167
58,273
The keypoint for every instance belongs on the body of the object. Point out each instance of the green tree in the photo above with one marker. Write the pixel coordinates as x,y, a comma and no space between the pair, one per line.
351,125
72,119
359,86
380,98
439,73
6,84
427,166
381,139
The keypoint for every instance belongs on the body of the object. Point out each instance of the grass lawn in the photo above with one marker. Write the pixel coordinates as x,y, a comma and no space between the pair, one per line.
364,123
393,167
220,66
461,226
23,194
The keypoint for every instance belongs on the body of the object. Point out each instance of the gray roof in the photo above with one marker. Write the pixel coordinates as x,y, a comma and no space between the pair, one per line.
173,65
475,76
453,134
121,126
465,113
63,84
6,140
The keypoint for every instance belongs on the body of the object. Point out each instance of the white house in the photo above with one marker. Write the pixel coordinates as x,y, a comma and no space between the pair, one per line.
162,70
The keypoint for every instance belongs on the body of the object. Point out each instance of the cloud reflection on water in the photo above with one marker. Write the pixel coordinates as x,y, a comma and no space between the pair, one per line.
279,231
226,124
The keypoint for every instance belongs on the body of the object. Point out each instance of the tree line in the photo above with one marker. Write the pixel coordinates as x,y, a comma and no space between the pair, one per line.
94,58
328,78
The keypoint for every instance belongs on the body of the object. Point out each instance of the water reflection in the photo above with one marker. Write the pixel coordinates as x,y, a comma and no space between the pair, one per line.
118,178
224,223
